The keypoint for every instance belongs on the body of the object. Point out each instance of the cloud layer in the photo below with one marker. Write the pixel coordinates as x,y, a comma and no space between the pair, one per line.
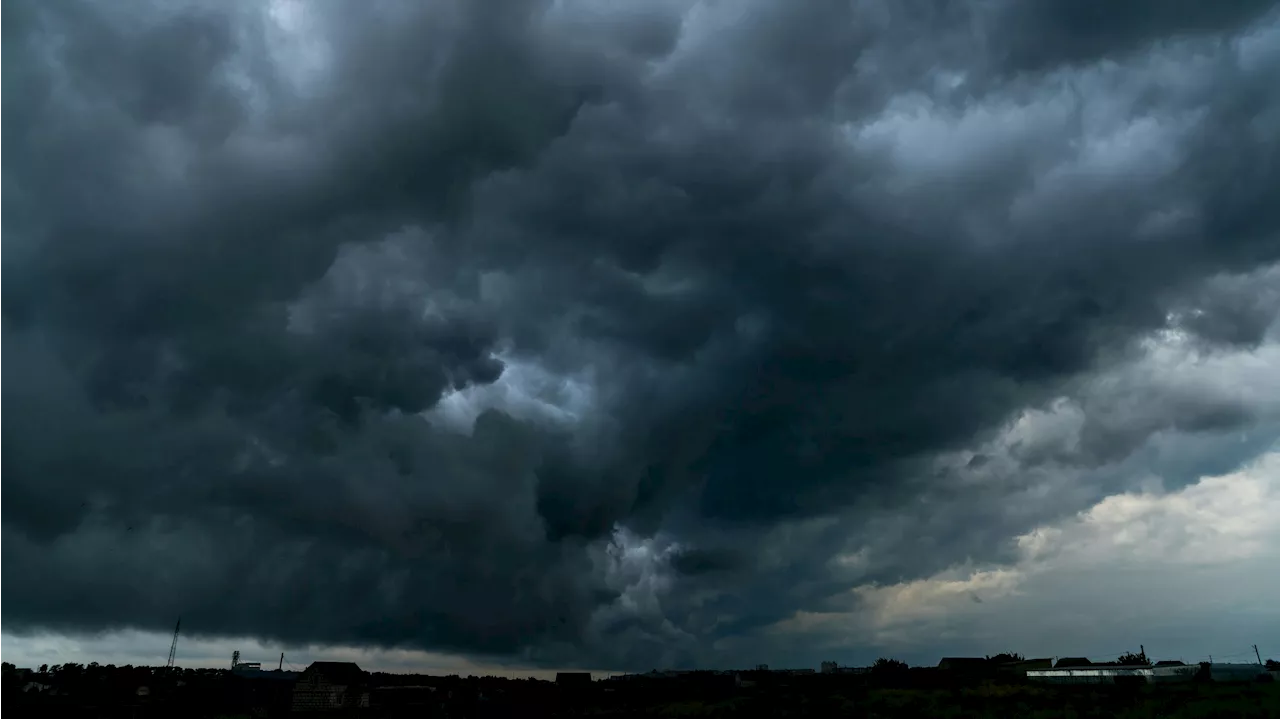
577,333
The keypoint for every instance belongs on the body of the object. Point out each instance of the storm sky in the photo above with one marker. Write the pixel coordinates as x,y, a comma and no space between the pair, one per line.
636,334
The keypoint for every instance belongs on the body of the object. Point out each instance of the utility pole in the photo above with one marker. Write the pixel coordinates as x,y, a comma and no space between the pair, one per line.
1256,654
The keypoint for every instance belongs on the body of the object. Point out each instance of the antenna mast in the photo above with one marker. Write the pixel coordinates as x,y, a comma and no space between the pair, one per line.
173,648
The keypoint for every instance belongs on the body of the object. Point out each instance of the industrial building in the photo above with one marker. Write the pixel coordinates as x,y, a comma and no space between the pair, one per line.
1097,674
327,686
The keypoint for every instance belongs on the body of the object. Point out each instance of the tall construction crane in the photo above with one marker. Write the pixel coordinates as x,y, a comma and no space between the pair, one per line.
173,648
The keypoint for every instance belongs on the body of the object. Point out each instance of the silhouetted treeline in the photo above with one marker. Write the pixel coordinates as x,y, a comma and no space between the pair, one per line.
889,688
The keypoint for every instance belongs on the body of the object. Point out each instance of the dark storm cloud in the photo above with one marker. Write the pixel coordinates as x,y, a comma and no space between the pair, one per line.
1044,33
239,268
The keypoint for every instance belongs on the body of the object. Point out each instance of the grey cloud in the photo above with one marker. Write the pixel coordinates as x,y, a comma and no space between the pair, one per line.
226,305
1234,309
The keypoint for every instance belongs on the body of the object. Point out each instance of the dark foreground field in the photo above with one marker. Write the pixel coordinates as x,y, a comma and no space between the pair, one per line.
1182,702
500,698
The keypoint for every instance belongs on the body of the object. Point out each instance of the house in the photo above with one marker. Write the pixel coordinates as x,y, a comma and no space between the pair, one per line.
1023,666
963,664
573,679
329,686
834,668
19,673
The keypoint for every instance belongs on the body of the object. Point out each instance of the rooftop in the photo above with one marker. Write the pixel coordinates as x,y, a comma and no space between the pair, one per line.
339,671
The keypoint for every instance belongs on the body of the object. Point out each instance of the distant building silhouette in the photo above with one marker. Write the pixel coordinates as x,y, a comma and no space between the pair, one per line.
963,664
573,679
405,698
1021,667
329,686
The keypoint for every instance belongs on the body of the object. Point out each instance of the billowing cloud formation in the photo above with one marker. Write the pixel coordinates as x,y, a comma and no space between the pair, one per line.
581,332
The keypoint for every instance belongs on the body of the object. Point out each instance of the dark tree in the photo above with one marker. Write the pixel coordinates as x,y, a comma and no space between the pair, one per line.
885,665
1132,659
1006,658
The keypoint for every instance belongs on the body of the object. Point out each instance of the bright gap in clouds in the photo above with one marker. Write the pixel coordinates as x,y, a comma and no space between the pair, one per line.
1187,573
525,391
298,48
